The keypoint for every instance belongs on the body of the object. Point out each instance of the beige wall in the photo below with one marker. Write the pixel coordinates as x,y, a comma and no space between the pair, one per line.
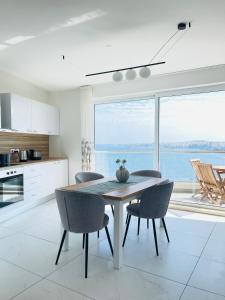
68,144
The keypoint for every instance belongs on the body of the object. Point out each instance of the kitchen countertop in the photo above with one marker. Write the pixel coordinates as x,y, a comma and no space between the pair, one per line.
30,162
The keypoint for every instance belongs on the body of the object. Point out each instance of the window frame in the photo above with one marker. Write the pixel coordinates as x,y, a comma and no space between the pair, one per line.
156,97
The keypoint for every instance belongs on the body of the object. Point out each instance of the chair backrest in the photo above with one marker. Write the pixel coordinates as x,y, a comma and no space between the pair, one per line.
195,165
148,173
155,200
80,212
208,176
87,176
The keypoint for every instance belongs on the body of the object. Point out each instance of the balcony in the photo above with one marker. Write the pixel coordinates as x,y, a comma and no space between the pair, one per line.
174,165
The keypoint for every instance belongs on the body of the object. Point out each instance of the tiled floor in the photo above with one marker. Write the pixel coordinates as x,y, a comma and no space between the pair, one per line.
191,266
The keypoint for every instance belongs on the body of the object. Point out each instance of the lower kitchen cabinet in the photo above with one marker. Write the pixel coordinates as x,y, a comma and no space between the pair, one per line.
41,179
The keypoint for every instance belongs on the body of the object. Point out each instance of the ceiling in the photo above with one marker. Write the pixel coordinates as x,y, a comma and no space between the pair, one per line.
99,35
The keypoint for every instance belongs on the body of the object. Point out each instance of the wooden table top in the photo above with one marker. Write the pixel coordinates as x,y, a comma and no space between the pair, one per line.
120,194
220,169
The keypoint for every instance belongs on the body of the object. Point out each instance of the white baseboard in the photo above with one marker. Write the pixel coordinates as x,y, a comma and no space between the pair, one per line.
13,210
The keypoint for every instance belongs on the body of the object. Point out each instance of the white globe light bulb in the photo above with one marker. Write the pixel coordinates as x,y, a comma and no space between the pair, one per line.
130,74
145,72
117,76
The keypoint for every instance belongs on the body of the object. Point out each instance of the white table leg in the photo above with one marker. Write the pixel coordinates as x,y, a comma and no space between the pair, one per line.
118,234
66,241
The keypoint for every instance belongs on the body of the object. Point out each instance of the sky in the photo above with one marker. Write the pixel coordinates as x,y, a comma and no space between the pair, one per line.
182,118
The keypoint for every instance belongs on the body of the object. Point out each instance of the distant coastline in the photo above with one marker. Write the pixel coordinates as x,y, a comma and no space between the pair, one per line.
174,157
181,146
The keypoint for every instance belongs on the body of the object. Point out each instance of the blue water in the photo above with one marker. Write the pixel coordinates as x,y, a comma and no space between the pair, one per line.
173,165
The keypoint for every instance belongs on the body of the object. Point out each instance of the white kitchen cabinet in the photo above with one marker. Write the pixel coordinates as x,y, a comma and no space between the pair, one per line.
52,120
32,183
41,179
16,112
24,115
54,175
39,117
45,118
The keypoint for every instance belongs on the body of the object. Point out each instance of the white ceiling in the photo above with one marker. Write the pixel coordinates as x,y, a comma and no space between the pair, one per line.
97,35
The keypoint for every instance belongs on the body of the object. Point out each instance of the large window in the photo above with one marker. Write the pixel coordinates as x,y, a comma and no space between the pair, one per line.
191,127
124,130
184,127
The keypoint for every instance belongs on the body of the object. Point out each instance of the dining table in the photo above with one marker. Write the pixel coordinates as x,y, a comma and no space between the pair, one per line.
116,194
219,170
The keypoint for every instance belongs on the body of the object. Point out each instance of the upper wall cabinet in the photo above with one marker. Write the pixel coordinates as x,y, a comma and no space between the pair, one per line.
16,112
25,115
45,118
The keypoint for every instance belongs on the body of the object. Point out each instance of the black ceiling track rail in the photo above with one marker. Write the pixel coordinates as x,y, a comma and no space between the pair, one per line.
124,69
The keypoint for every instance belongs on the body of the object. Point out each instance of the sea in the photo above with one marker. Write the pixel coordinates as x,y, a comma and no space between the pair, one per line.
174,164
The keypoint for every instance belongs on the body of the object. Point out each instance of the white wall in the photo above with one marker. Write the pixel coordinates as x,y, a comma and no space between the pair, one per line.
76,106
10,83
202,77
68,144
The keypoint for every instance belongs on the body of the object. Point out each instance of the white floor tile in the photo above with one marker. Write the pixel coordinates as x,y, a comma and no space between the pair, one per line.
14,280
33,254
188,243
210,276
46,290
174,265
37,215
196,294
218,232
201,228
104,282
5,232
215,249
52,231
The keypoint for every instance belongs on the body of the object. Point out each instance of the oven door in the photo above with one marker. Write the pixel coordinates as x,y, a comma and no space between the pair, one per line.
11,190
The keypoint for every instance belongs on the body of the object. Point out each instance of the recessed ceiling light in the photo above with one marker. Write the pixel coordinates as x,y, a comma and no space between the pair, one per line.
18,39
2,47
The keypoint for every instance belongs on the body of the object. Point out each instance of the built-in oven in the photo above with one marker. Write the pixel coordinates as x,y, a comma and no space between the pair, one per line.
11,186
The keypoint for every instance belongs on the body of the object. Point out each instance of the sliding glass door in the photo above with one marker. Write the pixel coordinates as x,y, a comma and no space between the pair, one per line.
124,130
191,127
162,133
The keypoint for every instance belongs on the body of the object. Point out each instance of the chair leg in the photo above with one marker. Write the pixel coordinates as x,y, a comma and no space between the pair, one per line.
164,225
83,240
127,227
155,237
98,234
60,247
112,210
138,231
127,215
86,255
127,219
148,223
109,240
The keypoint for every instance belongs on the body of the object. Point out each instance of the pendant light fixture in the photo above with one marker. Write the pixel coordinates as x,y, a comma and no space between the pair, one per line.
144,70
131,74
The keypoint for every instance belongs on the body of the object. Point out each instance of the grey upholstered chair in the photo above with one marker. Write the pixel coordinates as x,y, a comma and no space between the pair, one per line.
89,176
81,213
145,173
153,205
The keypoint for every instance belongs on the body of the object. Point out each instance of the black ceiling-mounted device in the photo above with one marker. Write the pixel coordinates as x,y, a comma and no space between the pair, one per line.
183,25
